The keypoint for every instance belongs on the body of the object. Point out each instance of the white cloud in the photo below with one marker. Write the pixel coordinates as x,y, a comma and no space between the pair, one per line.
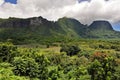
85,12
96,10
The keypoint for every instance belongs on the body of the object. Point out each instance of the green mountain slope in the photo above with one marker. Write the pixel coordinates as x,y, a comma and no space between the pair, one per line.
38,29
72,27
29,30
102,29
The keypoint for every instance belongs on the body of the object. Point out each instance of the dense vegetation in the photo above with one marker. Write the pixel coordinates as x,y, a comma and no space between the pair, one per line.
71,60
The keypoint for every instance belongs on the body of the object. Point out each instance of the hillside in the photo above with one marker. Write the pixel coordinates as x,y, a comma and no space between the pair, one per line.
102,29
72,27
38,29
28,30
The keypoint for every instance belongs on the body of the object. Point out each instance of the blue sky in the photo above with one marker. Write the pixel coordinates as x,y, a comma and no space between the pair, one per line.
11,1
116,26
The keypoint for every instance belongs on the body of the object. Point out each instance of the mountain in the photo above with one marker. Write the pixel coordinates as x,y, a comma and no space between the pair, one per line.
38,29
28,30
72,27
102,29
101,25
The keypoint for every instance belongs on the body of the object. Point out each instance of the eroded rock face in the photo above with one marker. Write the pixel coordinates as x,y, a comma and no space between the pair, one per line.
16,22
36,21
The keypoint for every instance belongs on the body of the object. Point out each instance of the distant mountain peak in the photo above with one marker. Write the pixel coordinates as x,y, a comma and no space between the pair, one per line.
101,24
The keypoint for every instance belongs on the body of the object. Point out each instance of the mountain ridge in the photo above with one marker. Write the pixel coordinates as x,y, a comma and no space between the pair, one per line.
38,29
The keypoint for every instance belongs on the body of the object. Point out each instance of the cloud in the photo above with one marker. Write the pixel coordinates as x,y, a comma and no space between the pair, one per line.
96,10
85,12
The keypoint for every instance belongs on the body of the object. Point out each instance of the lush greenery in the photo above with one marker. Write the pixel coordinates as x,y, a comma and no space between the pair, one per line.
71,60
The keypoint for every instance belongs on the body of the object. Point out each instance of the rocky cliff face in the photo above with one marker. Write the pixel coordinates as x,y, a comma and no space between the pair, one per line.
16,22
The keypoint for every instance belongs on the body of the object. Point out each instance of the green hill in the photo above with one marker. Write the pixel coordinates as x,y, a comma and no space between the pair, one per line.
72,27
102,29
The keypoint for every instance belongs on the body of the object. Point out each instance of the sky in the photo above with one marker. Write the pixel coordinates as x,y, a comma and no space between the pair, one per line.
11,1
86,11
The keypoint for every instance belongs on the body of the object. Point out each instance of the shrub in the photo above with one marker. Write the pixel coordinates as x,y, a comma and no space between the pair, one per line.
99,56
25,67
7,52
42,63
6,73
103,67
70,49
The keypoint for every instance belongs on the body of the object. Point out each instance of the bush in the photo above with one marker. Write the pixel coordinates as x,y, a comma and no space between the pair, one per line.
6,73
70,49
84,53
7,52
42,63
25,67
103,67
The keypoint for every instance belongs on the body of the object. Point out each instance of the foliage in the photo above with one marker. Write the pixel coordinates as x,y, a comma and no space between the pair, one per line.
54,75
99,56
103,67
42,63
70,49
25,67
98,61
7,74
7,52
